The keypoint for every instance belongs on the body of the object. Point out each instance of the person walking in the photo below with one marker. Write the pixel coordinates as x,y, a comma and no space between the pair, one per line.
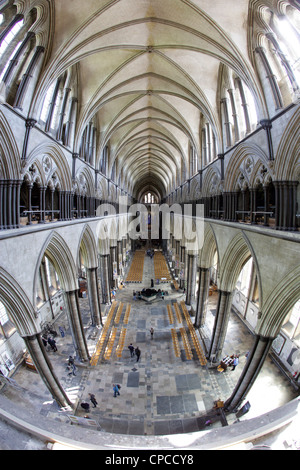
131,349
93,400
235,362
116,390
137,353
151,332
72,369
71,366
52,343
85,405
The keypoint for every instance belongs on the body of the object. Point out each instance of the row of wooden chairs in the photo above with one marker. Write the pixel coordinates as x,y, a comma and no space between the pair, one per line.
119,313
127,313
186,314
186,344
170,314
178,313
191,329
175,342
161,270
103,337
136,270
198,348
120,346
110,344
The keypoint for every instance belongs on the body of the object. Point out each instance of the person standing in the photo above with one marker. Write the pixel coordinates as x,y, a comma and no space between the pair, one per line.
137,353
45,340
93,399
52,343
235,362
131,349
116,390
71,366
85,406
151,332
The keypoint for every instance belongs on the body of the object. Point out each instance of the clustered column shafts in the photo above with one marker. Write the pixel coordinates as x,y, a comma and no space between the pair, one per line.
42,363
77,326
255,361
93,296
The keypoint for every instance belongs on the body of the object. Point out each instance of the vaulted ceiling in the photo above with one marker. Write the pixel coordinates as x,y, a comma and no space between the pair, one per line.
148,71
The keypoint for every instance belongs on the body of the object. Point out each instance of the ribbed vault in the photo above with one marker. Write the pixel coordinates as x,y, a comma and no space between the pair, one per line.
149,75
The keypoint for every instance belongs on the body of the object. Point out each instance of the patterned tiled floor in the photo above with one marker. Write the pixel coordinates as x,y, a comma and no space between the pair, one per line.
160,394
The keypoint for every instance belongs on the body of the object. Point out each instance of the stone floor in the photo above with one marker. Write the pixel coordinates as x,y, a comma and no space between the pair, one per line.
160,394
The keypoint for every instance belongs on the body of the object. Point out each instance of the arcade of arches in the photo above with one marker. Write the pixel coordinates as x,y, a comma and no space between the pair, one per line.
184,111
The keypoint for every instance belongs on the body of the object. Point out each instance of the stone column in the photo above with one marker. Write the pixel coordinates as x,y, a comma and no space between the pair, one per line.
94,296
30,186
191,279
59,132
119,252
253,193
105,284
1,205
202,298
42,204
220,325
77,326
255,361
17,55
113,259
43,365
177,257
27,77
224,104
182,260
9,203
270,76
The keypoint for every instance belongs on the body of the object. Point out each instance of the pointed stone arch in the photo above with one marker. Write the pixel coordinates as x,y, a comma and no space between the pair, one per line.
10,167
195,190
212,183
279,303
88,248
243,161
62,170
17,304
61,257
238,251
287,161
85,182
101,191
209,248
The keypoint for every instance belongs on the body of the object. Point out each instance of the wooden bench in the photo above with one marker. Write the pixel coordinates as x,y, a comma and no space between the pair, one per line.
170,314
175,342
110,343
136,270
127,313
161,270
120,346
119,313
178,314
186,344
195,340
103,338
